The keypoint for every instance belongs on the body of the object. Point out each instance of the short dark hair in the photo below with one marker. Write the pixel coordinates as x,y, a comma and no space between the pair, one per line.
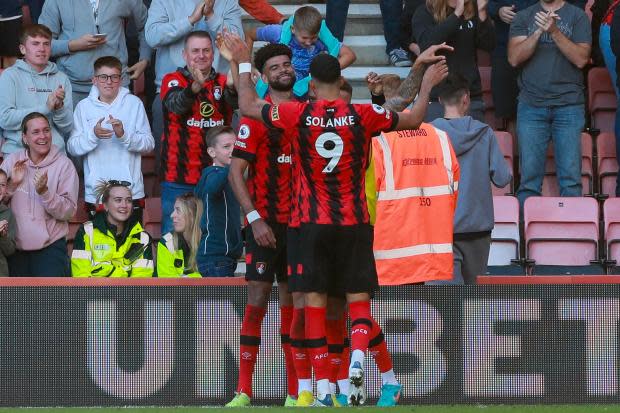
268,51
215,132
325,68
201,34
108,61
3,173
34,30
308,18
453,88
31,116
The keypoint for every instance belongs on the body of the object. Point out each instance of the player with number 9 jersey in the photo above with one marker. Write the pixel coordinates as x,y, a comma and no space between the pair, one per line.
332,151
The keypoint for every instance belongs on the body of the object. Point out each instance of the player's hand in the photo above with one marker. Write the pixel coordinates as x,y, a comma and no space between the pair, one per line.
507,14
18,172
375,83
429,56
434,75
207,10
117,126
197,13
238,48
86,42
4,228
136,70
263,234
40,182
101,132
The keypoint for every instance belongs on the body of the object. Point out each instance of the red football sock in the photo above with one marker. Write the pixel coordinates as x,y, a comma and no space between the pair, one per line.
335,341
286,318
378,349
361,325
249,344
316,342
303,368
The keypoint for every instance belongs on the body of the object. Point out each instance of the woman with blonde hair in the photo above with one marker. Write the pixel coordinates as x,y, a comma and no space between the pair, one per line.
464,25
176,251
113,244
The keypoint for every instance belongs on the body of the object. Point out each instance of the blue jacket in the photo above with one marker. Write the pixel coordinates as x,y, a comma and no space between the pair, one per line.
221,219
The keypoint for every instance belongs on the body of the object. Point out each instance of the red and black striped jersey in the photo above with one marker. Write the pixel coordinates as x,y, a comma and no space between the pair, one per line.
183,148
331,152
268,152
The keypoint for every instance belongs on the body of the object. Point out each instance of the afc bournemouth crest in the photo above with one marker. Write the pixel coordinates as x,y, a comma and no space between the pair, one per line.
217,93
261,267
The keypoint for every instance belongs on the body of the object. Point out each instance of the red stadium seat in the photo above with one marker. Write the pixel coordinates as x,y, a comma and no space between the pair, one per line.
487,97
483,57
152,217
607,163
550,182
505,235
504,140
152,186
611,213
562,232
148,164
601,99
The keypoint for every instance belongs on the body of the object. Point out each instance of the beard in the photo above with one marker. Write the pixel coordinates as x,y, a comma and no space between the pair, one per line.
283,86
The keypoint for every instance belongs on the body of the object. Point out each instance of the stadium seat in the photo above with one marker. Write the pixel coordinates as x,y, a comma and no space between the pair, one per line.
487,97
483,57
611,216
601,99
152,186
505,239
148,164
607,163
550,182
561,235
504,140
152,217
76,220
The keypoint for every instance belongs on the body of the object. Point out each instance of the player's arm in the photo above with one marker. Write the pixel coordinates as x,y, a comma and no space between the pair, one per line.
262,232
432,77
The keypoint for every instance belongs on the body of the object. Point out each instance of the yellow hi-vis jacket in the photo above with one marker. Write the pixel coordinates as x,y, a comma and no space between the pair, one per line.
171,261
97,252
416,178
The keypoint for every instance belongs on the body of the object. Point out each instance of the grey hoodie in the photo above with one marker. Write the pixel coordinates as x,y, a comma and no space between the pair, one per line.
481,162
23,90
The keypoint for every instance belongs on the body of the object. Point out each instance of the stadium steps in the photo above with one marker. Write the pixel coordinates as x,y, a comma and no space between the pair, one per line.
363,33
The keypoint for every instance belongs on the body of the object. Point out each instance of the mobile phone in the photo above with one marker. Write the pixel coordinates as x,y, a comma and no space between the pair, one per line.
100,35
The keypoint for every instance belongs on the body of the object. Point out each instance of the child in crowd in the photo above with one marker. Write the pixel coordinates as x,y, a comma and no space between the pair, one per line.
307,35
7,228
111,132
176,251
221,243
113,244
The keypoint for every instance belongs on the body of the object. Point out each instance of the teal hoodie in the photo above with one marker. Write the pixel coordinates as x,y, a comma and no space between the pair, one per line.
24,90
71,19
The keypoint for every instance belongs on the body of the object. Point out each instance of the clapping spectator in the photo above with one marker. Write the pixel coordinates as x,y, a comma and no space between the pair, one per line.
111,131
464,25
10,25
551,99
85,30
43,191
113,244
7,228
35,84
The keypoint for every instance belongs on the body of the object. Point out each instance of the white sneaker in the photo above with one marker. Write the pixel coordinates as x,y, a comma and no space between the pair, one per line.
357,392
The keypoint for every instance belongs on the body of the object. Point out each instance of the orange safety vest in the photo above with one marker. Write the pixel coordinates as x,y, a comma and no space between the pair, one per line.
416,177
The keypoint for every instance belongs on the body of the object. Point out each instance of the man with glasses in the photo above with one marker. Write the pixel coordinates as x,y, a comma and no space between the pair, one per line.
85,30
111,132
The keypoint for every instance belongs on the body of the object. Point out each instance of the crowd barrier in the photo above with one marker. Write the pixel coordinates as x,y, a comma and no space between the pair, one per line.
67,342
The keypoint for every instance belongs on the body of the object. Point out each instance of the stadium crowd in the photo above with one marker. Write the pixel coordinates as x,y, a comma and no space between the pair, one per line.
335,197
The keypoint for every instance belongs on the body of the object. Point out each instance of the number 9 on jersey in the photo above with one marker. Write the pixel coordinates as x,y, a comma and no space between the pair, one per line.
329,146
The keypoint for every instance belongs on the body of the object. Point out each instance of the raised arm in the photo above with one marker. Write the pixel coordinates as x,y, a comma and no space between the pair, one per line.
577,53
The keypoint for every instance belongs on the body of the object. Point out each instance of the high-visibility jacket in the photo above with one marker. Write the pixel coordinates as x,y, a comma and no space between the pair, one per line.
416,178
98,252
171,260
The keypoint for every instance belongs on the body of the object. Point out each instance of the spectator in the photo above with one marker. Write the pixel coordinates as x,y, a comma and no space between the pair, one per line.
113,244
176,251
35,84
221,244
391,12
409,41
551,102
195,99
481,163
111,132
307,36
10,25
615,47
262,11
462,26
43,191
7,228
85,30
600,22
168,24
605,42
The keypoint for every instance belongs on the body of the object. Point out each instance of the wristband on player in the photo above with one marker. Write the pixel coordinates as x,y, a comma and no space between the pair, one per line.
245,67
252,216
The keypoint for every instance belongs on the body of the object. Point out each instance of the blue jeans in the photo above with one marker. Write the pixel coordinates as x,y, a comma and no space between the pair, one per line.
536,127
216,266
169,193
